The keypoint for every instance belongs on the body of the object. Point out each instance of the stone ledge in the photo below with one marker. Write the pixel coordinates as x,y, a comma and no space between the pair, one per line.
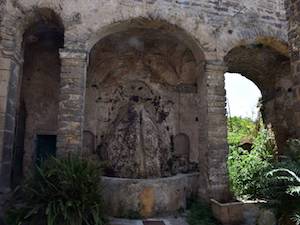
73,54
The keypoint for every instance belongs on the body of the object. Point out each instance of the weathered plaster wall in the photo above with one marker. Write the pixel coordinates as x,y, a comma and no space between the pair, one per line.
142,93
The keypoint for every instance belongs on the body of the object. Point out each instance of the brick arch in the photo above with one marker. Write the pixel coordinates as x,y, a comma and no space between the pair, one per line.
188,38
260,34
33,18
268,66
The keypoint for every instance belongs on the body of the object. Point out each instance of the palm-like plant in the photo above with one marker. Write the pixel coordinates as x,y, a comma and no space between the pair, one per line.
62,191
282,189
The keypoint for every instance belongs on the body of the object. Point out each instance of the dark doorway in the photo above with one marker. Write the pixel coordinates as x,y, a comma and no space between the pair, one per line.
45,147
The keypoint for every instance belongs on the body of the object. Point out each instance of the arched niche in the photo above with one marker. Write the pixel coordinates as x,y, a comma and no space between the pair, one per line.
37,108
182,145
88,142
143,87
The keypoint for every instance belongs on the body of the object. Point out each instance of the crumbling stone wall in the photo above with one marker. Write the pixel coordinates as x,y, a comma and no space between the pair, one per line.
210,29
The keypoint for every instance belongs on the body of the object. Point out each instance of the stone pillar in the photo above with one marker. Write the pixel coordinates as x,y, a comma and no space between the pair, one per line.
218,187
10,64
293,13
72,96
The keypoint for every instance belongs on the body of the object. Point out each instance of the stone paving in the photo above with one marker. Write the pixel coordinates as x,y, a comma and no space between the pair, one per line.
166,221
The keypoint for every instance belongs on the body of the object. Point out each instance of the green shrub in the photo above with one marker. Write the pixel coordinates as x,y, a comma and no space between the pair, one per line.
239,129
246,168
200,214
63,191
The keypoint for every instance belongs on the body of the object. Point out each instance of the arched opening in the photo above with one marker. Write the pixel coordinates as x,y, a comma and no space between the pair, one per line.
36,122
243,103
143,89
269,70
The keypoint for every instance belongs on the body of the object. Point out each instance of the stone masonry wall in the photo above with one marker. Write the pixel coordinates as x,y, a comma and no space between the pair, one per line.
213,26
293,9
71,100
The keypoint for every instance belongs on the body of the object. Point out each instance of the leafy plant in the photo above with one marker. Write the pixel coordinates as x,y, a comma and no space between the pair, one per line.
246,168
62,191
200,214
239,129
282,190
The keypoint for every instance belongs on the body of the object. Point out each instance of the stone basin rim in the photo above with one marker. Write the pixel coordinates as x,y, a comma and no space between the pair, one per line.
177,176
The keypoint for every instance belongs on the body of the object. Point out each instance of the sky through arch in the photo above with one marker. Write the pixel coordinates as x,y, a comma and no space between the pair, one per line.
242,96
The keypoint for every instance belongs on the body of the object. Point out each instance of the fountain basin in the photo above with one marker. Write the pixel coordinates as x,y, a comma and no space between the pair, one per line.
124,197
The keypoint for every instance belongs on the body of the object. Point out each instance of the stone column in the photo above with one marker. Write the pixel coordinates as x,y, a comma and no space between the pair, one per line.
293,12
217,154
72,96
10,64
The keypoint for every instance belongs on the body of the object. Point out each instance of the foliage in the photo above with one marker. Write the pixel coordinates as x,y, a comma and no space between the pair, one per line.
200,214
281,185
247,167
255,174
293,151
239,129
245,170
62,191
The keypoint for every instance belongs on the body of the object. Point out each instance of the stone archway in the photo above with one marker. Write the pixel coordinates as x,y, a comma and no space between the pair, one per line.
37,107
269,68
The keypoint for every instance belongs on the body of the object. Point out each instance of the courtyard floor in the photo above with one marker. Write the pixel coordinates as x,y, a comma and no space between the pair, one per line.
159,221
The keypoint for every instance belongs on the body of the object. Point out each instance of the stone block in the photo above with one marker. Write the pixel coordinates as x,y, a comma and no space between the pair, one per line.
3,104
4,75
5,64
3,88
